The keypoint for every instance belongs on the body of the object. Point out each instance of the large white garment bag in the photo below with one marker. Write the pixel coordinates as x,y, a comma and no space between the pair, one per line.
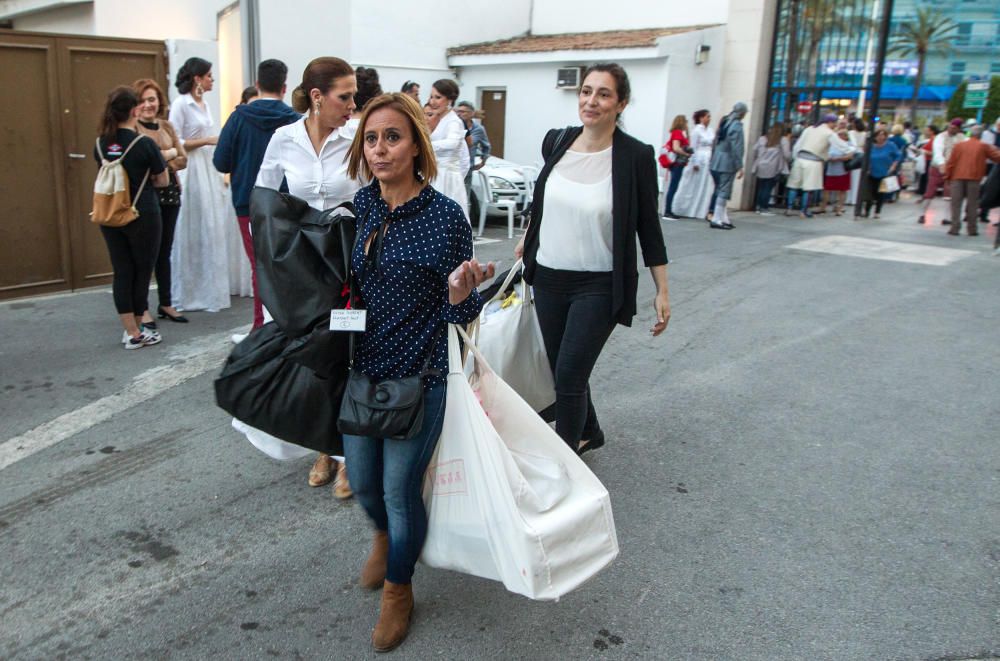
511,340
506,497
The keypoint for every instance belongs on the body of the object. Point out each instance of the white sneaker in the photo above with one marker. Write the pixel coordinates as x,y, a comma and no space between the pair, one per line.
130,342
150,336
764,213
238,337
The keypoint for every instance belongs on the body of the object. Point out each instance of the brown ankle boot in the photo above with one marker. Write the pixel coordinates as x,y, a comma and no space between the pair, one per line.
394,617
373,573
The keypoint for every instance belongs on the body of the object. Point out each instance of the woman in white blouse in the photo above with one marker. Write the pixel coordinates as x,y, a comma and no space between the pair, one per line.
207,261
695,190
311,156
595,194
448,141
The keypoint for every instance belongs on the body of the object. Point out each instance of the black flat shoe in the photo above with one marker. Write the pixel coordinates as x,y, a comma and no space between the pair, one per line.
163,314
592,444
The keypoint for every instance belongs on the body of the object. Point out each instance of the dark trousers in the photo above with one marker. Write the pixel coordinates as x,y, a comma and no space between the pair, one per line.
764,188
168,215
873,195
966,190
133,250
711,201
575,321
676,172
387,478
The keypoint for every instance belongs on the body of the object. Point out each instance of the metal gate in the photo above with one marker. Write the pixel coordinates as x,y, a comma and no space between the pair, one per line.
55,88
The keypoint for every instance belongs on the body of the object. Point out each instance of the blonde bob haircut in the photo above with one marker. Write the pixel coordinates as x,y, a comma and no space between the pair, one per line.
424,164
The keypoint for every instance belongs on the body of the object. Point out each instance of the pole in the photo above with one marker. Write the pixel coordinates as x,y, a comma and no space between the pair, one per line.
883,47
868,62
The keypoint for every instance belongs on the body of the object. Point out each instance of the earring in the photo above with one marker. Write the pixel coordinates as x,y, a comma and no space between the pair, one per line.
316,106
199,90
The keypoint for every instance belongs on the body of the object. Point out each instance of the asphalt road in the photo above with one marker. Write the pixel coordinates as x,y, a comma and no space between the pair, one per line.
805,466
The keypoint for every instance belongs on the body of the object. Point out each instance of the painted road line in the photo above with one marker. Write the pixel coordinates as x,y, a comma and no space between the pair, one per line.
893,251
184,362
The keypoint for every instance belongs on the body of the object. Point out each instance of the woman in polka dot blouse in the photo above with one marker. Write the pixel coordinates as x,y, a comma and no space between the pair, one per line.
424,279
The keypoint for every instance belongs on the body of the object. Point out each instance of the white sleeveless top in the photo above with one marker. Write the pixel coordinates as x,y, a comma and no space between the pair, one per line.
576,232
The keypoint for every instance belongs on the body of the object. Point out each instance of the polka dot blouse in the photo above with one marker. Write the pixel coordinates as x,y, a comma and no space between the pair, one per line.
407,298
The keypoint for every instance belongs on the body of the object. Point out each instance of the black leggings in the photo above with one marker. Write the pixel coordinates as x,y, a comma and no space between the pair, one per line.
874,195
133,250
574,313
169,216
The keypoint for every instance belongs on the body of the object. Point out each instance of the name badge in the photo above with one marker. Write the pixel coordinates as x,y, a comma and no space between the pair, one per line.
348,320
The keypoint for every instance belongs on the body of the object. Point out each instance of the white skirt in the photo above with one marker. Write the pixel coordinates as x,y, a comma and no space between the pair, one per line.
208,262
695,190
450,183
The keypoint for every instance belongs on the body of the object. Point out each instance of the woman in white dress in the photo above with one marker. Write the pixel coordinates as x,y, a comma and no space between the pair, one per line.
856,137
695,190
207,262
311,156
448,141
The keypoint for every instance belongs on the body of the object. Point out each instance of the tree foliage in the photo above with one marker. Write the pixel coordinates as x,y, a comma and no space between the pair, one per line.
930,33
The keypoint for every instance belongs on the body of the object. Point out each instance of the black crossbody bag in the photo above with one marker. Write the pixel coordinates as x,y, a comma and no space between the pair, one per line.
383,408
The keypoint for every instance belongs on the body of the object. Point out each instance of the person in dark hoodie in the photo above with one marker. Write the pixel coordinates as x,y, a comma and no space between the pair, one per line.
241,148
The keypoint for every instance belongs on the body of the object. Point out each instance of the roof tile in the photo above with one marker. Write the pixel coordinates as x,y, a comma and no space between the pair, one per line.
572,41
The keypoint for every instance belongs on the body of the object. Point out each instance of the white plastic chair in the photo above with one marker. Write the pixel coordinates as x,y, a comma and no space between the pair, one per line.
502,205
530,175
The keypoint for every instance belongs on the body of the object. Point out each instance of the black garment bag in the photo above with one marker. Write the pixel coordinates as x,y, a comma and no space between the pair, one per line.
287,378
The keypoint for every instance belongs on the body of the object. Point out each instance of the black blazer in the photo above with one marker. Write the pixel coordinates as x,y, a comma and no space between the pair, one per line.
634,210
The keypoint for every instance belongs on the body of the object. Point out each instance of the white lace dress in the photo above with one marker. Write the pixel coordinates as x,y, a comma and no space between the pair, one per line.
452,152
208,262
695,190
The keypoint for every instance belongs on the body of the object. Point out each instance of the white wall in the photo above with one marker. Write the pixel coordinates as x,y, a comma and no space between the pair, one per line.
745,70
74,19
558,16
692,86
534,105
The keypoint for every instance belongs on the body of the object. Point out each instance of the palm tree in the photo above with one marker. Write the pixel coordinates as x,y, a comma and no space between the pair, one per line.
929,34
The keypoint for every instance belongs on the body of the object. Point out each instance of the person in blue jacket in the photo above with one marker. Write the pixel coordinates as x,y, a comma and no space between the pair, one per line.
241,148
884,163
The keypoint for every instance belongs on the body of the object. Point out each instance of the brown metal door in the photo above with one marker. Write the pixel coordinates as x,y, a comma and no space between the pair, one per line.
34,247
89,69
494,105
48,123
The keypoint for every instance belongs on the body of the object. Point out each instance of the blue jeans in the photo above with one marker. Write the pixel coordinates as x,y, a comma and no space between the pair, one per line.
764,188
387,479
676,172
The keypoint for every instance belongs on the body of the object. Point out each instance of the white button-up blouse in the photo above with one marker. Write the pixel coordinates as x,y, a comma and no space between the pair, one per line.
321,180
190,120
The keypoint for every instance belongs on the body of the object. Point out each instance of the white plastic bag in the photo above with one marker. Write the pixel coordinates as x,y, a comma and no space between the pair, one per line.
507,499
512,343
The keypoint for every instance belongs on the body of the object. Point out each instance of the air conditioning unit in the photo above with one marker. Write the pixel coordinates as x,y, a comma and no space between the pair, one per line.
569,78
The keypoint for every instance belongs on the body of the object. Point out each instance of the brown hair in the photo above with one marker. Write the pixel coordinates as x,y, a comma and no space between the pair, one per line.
319,74
622,87
424,164
143,84
680,123
774,134
447,88
117,109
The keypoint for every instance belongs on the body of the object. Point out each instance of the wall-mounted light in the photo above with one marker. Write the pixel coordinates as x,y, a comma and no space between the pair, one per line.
701,54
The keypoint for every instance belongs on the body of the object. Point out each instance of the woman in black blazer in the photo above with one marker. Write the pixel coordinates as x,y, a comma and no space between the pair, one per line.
596,192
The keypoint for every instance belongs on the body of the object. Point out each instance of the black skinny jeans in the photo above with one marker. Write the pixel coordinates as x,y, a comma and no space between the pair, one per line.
169,215
574,313
874,195
133,250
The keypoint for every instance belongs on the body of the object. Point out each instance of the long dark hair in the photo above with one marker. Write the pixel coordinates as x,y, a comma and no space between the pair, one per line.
368,86
195,66
699,114
117,109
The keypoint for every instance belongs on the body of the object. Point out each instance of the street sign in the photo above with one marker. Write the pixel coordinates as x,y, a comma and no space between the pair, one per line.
976,94
805,107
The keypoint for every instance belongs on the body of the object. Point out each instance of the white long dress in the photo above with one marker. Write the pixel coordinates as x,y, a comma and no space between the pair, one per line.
448,141
856,139
695,190
208,262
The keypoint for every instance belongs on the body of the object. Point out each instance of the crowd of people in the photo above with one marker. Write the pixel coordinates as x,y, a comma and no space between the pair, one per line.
406,168
817,168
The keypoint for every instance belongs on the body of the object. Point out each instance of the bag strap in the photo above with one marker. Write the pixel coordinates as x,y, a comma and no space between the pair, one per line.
141,186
